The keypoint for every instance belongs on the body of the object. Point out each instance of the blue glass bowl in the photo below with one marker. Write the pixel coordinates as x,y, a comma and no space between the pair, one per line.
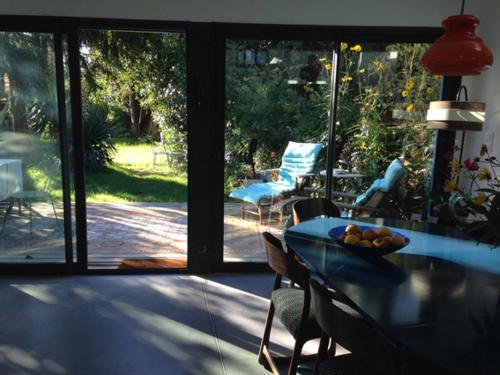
337,232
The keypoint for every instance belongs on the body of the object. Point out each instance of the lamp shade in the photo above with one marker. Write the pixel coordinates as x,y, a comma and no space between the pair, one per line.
459,51
456,115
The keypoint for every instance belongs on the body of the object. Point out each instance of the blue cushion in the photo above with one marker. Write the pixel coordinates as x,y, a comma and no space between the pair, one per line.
298,159
255,192
392,174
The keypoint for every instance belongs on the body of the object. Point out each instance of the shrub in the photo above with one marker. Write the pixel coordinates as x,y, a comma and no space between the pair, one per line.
97,137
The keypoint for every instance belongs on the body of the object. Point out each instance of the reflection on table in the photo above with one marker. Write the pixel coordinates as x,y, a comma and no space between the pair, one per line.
438,298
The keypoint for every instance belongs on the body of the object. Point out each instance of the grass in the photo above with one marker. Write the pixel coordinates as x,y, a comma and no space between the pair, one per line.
132,178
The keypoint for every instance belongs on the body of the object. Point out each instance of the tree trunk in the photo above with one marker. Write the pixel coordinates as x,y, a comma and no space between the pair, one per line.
17,107
135,115
146,122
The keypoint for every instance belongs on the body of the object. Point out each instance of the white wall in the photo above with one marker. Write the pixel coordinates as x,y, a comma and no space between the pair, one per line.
486,87
319,12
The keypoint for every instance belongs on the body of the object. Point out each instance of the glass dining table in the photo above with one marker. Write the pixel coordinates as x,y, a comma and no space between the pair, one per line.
438,298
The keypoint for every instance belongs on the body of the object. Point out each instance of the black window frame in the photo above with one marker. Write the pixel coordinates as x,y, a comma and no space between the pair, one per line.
205,60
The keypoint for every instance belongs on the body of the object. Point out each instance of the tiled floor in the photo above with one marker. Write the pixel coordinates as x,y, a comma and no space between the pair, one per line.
135,325
127,230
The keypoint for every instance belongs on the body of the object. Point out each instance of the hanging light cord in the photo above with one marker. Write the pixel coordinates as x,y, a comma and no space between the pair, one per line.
463,7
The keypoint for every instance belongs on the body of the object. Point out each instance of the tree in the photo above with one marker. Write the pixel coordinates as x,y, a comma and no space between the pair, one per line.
141,74
27,90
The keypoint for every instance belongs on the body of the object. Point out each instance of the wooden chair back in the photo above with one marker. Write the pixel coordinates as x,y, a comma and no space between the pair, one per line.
282,263
308,209
353,333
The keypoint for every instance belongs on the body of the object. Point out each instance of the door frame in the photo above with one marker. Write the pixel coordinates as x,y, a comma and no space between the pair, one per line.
205,62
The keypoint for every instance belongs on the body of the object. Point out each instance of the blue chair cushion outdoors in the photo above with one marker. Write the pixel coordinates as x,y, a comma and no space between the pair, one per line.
298,159
255,192
393,173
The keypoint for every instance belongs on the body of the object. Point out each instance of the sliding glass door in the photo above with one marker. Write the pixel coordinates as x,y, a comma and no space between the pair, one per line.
277,108
34,207
135,148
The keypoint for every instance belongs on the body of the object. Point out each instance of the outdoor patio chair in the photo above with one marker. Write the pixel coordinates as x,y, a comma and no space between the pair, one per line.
298,161
372,202
291,306
27,197
173,152
370,352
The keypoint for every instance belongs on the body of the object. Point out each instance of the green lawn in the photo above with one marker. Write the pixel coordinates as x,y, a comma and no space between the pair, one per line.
131,178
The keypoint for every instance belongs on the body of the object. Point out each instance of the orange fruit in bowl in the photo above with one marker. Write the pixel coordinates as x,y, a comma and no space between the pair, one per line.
365,243
352,228
368,234
382,231
397,240
382,242
351,239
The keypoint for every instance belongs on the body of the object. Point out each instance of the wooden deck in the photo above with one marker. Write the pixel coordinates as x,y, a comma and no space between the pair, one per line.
126,230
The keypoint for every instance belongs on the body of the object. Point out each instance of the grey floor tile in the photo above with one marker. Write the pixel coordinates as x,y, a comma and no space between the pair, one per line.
239,304
106,325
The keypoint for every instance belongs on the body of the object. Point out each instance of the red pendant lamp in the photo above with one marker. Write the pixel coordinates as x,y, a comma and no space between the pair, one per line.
459,52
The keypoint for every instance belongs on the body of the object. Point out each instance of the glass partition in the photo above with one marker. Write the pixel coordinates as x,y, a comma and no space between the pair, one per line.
384,94
277,102
31,206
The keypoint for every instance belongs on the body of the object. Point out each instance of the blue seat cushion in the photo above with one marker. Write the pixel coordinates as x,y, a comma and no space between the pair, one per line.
298,159
392,174
255,192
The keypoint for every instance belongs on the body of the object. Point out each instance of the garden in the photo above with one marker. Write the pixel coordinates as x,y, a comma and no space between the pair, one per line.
134,95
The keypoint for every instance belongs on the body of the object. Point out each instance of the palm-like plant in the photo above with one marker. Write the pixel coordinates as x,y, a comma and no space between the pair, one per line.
97,136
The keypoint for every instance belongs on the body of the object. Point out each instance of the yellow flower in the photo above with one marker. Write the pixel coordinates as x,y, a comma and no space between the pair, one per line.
378,65
346,79
328,66
429,90
483,174
363,146
229,102
449,186
404,94
437,78
410,85
323,59
409,108
357,48
455,167
362,70
480,199
343,46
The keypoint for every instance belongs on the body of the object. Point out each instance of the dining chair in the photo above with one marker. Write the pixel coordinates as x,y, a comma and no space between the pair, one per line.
308,209
291,306
370,352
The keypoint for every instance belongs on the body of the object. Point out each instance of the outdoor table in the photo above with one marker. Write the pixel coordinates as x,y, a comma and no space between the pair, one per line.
339,174
11,177
438,298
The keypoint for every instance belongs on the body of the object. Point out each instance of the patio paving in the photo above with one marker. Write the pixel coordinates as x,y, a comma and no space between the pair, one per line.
126,230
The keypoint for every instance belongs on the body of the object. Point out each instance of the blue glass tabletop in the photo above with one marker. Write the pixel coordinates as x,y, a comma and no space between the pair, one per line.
427,296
